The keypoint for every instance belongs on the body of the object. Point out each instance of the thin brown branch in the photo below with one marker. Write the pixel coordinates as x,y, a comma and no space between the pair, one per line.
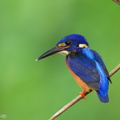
117,1
114,70
79,97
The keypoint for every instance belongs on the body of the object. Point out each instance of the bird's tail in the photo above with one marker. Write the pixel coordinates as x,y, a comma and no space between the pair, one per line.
103,99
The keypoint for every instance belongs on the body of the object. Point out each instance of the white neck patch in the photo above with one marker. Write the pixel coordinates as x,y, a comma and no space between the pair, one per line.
64,52
83,46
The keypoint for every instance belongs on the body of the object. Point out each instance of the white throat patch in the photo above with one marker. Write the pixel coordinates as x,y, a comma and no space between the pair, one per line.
65,52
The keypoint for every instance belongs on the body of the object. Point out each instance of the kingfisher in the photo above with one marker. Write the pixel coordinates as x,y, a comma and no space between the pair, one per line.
85,64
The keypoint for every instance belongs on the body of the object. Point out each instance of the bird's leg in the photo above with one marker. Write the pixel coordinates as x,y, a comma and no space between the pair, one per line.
83,94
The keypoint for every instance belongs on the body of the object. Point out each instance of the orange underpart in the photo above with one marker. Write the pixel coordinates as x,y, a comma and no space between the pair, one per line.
80,82
83,94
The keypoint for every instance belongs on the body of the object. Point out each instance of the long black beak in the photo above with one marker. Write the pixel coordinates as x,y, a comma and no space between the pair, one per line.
50,52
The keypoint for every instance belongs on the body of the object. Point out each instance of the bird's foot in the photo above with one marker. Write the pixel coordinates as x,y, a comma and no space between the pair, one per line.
83,94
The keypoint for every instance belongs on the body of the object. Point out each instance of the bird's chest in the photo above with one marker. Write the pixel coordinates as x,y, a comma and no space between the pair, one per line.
74,59
80,82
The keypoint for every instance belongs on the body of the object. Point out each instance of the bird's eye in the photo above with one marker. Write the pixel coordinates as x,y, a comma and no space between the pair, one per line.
69,42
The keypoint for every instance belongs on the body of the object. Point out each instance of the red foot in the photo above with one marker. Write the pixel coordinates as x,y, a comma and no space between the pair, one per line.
83,94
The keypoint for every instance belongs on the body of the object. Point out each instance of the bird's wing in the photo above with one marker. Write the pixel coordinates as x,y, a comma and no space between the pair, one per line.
84,68
100,61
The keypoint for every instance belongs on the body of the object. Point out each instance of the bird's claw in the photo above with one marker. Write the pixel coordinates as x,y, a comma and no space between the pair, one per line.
83,94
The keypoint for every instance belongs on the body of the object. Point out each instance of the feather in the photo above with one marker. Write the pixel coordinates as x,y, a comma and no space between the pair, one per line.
89,67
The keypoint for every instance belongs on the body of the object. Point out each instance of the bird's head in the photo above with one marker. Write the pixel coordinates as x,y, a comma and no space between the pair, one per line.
66,45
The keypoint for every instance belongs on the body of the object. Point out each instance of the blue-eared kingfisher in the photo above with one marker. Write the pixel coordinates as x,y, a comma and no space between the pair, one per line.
85,64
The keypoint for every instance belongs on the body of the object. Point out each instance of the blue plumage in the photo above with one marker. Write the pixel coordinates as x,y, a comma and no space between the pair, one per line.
103,83
78,39
85,64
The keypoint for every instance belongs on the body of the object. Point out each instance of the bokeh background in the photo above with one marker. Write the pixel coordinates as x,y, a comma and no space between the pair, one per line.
32,90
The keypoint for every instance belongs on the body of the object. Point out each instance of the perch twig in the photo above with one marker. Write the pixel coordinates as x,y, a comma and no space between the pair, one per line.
79,97
117,1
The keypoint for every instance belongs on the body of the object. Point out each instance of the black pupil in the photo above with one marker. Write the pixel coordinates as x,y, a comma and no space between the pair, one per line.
68,42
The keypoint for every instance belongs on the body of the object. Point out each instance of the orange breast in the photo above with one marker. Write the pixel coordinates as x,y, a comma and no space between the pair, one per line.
80,82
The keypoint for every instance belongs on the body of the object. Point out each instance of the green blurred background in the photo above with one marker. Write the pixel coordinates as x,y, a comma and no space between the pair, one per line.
32,90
